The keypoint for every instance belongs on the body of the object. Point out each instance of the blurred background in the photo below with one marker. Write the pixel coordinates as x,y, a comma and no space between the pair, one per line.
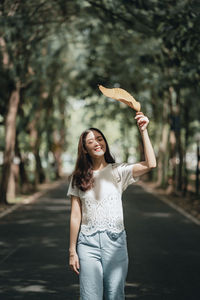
53,55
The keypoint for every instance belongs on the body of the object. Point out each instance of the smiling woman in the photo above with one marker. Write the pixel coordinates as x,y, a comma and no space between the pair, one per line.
95,144
93,153
98,247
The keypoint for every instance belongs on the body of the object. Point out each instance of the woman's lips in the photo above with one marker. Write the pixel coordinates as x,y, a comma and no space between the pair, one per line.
97,149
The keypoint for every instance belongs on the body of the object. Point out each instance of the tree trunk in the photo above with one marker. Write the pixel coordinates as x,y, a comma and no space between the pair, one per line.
24,185
10,195
163,157
57,152
197,169
185,170
180,165
175,141
162,171
10,134
179,141
59,140
35,144
39,173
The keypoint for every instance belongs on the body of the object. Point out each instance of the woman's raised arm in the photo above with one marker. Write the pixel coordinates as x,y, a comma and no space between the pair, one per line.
143,167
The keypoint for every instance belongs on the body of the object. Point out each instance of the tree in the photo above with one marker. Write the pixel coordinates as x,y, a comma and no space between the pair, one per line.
18,43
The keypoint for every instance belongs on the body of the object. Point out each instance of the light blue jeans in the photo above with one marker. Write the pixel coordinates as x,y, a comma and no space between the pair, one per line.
103,261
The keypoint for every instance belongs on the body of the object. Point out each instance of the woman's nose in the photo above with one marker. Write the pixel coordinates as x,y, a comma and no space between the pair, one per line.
96,143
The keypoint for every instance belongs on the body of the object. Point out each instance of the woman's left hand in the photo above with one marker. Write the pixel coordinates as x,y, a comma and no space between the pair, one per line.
142,120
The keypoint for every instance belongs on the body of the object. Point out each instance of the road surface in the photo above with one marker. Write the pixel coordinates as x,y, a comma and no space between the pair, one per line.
164,250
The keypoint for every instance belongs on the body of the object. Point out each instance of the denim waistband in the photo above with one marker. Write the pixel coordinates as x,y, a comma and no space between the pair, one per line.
112,235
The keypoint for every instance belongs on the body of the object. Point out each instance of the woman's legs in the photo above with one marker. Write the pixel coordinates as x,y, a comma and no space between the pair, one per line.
91,271
103,266
115,266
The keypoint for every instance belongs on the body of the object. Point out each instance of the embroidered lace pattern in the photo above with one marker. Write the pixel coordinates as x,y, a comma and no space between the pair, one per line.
100,215
102,205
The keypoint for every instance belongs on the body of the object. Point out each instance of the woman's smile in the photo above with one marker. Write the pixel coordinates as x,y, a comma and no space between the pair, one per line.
98,148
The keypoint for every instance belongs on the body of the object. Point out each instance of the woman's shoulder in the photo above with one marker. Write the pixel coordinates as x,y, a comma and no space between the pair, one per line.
120,165
116,170
122,168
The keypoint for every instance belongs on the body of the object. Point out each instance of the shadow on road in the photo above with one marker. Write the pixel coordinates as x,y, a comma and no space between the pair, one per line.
33,255
164,250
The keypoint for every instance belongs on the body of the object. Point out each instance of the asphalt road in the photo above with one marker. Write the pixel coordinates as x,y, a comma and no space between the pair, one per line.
164,250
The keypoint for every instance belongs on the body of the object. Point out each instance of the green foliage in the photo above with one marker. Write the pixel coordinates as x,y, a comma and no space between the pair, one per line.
61,50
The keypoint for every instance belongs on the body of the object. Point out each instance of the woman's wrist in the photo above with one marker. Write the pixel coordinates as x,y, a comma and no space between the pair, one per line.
72,251
143,132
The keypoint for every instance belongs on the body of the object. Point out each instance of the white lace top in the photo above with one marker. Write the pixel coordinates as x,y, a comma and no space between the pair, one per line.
102,205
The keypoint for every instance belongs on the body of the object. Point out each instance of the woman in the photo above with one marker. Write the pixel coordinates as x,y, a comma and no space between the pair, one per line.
98,248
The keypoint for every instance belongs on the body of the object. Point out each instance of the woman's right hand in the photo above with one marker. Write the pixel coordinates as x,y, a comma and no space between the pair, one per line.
74,262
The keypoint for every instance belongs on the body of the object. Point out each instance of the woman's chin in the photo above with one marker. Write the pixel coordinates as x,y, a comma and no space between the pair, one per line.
98,153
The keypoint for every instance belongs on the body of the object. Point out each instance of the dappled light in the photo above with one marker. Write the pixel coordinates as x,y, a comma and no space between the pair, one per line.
56,58
31,288
36,250
136,290
51,71
164,256
157,215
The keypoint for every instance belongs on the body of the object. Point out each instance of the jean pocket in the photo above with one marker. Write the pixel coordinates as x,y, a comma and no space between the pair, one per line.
116,236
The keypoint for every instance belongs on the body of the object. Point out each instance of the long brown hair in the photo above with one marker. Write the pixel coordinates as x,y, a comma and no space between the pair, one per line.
83,173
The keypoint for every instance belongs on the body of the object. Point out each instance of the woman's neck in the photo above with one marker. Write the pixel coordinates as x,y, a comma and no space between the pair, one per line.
99,163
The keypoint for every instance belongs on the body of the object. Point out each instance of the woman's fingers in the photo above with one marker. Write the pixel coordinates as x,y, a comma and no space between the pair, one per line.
139,113
143,127
71,267
74,266
139,116
76,270
142,120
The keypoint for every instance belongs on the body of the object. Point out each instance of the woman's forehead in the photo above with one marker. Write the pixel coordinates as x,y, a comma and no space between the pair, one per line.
93,134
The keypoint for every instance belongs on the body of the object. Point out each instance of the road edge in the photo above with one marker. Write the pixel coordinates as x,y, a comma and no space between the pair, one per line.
171,204
32,198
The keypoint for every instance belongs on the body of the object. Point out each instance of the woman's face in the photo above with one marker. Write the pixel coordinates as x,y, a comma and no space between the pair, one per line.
95,144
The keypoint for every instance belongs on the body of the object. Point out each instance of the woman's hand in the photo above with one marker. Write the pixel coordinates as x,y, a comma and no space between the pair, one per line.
142,120
74,262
